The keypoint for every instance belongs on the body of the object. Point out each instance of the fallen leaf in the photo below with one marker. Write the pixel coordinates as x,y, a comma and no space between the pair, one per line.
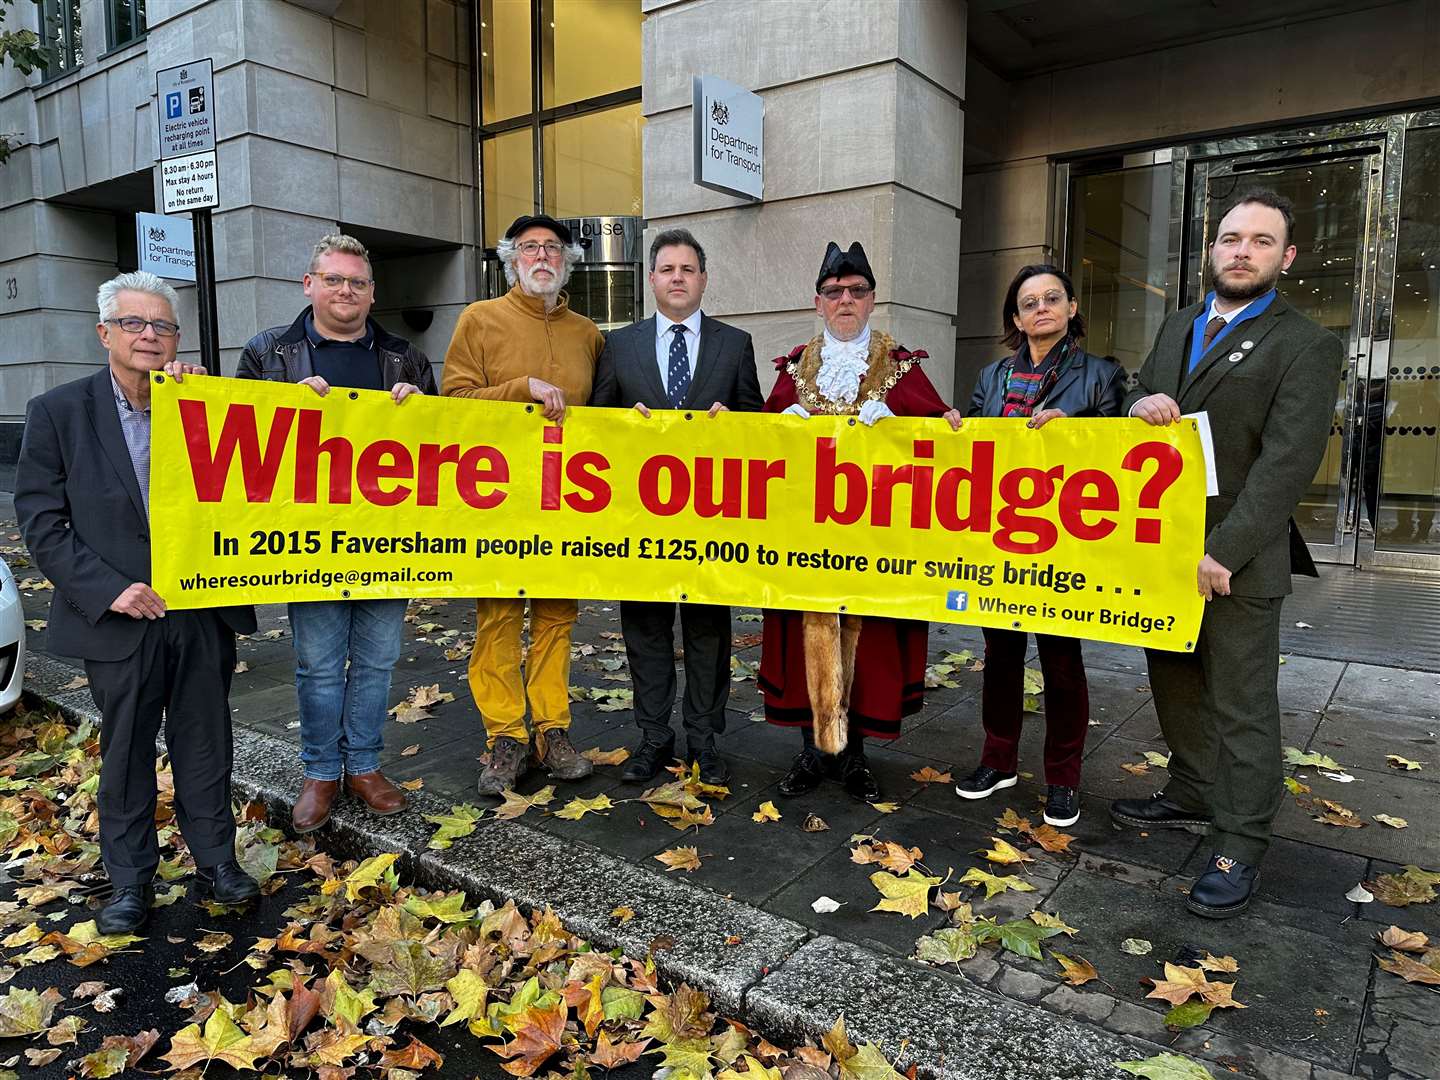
767,812
1051,838
1294,756
24,1012
1403,940
1077,972
824,905
894,857
623,914
1136,946
214,941
1054,922
411,750
1004,854
79,682
516,804
1160,761
539,1034
1393,822
885,807
679,858
1411,886
241,666
411,785
1179,985
1295,787
1191,1014
460,822
219,1040
994,884
612,1055
1166,1067
928,775
1135,768
617,756
576,809
1011,821
908,895
1332,813
1395,761
1412,970
813,823
1360,895
1226,964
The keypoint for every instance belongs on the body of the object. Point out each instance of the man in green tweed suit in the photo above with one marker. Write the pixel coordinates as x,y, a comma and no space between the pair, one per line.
1267,376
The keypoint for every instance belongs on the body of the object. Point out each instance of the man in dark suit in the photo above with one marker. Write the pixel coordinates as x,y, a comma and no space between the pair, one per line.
1267,377
679,358
82,495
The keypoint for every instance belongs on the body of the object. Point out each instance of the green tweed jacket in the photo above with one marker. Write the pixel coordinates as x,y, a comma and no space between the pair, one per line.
1269,385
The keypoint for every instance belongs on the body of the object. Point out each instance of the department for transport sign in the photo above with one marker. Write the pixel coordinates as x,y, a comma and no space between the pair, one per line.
185,107
729,138
165,245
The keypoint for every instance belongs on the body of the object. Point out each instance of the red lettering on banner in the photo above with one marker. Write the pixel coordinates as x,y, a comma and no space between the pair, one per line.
827,472
308,448
1076,500
678,493
482,465
238,430
373,468
977,481
1168,466
551,462
707,505
427,478
1042,490
757,490
583,470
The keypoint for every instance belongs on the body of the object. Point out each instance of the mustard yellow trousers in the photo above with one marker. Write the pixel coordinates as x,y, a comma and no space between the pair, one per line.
496,681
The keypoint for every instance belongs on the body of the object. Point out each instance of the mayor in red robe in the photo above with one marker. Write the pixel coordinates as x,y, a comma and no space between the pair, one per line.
838,678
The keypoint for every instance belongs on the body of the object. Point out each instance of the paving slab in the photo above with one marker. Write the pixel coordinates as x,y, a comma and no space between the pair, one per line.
1383,689
1388,792
1399,1037
939,1022
1363,738
1286,971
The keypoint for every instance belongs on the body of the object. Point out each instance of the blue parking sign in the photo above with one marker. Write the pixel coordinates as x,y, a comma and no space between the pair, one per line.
172,106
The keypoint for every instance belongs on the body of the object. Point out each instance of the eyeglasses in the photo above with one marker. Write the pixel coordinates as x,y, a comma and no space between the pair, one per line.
531,248
358,284
133,324
834,292
1053,298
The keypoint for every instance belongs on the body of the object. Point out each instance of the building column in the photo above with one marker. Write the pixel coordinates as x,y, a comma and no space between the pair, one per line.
864,122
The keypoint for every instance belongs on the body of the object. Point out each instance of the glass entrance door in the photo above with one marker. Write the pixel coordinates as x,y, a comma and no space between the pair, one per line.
1335,191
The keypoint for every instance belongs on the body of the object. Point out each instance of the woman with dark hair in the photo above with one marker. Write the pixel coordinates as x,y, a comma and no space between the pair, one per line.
1047,377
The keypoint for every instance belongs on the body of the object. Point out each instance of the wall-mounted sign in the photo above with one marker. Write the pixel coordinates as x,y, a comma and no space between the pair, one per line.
608,239
190,183
729,138
166,245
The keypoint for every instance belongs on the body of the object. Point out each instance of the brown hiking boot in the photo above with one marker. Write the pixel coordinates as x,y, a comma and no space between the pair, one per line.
562,760
312,809
509,760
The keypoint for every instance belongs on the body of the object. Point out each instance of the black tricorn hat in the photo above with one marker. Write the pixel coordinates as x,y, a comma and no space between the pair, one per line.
838,263
545,221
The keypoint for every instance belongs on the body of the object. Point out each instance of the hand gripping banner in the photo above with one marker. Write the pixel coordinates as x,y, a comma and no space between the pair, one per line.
266,492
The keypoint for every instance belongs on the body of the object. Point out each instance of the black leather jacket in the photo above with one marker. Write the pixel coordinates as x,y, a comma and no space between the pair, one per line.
282,354
1086,386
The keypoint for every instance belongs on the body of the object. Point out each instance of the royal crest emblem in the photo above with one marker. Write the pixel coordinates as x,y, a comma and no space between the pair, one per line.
719,112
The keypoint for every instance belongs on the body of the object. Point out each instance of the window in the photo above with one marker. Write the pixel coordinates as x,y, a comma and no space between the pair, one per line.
127,21
563,75
60,34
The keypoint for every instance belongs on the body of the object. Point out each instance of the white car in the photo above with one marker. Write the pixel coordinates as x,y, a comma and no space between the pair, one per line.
12,640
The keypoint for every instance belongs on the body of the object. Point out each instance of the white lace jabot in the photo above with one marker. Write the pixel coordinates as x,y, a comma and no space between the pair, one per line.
842,365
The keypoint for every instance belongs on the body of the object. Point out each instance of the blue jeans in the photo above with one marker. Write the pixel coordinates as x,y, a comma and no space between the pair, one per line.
342,712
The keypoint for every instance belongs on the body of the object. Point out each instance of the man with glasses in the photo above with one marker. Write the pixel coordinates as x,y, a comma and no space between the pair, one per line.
335,343
526,346
82,496
842,679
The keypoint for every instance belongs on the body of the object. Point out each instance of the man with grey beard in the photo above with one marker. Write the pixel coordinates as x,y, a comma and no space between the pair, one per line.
1266,375
526,346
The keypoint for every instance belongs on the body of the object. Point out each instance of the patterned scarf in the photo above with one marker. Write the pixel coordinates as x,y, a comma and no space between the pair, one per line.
1027,384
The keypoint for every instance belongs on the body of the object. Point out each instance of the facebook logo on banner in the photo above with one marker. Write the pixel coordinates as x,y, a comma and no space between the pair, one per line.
956,600
172,105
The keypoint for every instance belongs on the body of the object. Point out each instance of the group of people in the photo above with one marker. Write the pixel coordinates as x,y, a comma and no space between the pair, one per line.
1263,372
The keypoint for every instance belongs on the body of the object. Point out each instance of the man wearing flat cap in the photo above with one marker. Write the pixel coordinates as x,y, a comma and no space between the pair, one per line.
843,678
526,346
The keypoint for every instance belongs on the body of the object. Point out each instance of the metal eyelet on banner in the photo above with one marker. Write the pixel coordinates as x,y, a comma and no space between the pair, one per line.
529,408
520,592
684,596
159,378
852,421
1016,624
689,416
354,394
345,593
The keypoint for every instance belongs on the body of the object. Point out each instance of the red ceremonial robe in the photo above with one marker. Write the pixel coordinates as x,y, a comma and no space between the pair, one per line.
890,657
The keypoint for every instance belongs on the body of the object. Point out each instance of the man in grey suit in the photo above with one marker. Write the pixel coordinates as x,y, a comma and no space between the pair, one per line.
679,358
1267,377
82,496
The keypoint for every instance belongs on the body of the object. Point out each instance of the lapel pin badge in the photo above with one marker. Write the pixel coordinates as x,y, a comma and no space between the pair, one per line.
1236,357
1247,344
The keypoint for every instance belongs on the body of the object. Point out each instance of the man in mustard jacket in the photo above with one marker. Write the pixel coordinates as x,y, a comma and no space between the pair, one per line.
526,346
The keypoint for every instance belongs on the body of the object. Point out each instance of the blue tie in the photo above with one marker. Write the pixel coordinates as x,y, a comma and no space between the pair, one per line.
679,375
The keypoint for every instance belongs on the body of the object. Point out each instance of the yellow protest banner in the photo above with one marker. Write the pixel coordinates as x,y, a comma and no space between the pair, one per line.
264,492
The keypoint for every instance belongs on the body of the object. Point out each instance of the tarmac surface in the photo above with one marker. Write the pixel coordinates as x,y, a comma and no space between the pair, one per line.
743,927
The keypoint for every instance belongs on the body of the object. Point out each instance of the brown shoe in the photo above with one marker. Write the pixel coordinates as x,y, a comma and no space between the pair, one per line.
312,809
562,760
378,794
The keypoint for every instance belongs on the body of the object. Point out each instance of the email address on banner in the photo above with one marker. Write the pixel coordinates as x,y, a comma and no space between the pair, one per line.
327,579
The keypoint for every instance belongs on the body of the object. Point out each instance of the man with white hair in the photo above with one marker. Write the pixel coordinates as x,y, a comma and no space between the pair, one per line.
82,495
526,346
345,650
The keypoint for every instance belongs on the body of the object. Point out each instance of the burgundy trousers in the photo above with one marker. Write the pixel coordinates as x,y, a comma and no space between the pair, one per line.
1067,703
